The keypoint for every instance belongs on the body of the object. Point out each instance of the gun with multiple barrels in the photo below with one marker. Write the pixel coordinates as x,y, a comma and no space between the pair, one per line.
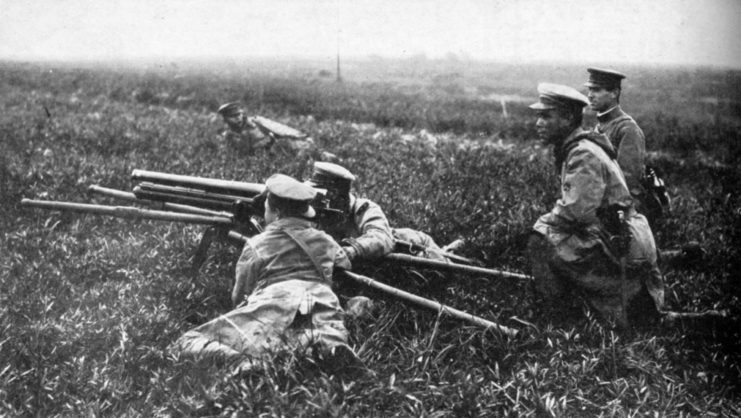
225,206
229,209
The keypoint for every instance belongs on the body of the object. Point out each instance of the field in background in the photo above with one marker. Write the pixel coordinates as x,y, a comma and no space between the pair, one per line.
88,305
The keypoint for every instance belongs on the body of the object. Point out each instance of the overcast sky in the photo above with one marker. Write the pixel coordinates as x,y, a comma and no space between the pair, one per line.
705,32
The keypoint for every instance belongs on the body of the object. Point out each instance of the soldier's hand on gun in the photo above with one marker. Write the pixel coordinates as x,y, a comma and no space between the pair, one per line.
350,251
349,248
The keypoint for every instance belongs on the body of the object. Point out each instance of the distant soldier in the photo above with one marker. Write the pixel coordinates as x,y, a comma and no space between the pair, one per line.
243,133
257,132
593,243
282,290
628,140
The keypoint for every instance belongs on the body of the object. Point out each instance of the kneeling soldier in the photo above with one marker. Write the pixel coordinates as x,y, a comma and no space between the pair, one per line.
593,243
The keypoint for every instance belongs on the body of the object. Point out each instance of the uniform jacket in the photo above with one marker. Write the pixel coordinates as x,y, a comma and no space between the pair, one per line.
274,256
290,303
366,229
591,181
629,142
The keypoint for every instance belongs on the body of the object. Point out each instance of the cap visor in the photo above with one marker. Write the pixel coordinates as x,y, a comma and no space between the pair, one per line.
541,106
590,84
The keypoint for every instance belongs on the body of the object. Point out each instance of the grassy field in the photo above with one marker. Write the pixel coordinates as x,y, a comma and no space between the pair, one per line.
89,305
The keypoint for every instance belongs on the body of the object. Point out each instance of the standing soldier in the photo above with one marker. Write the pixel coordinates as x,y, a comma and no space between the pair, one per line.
593,243
627,138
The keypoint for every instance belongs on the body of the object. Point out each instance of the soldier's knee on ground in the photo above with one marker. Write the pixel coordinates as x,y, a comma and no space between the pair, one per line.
546,283
642,309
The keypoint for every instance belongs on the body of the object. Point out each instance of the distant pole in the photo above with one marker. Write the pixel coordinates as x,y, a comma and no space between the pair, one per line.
339,76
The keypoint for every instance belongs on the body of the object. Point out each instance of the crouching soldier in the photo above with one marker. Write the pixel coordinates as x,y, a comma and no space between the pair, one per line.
593,243
282,291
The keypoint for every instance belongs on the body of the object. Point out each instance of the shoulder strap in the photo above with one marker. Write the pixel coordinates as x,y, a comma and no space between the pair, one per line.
606,147
304,247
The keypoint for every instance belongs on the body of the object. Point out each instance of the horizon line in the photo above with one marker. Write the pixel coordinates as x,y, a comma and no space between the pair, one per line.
351,58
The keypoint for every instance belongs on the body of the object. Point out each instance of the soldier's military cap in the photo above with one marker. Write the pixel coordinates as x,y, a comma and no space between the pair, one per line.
599,77
330,175
229,110
286,187
557,96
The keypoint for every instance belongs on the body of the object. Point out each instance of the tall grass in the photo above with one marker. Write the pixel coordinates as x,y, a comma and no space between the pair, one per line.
88,305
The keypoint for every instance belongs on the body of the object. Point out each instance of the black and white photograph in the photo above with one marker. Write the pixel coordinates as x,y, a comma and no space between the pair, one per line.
370,208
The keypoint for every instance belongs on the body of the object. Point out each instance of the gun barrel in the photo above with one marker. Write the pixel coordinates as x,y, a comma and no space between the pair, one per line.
240,188
181,198
127,212
453,267
176,207
191,192
114,193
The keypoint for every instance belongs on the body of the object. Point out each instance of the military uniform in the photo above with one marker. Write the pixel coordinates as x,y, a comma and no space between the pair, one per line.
628,139
366,232
573,249
287,273
366,229
624,134
256,132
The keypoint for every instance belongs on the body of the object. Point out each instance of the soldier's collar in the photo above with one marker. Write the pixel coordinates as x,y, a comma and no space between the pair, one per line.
289,222
609,114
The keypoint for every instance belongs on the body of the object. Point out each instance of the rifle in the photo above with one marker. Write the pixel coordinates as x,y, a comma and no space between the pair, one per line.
431,304
454,267
417,300
413,248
